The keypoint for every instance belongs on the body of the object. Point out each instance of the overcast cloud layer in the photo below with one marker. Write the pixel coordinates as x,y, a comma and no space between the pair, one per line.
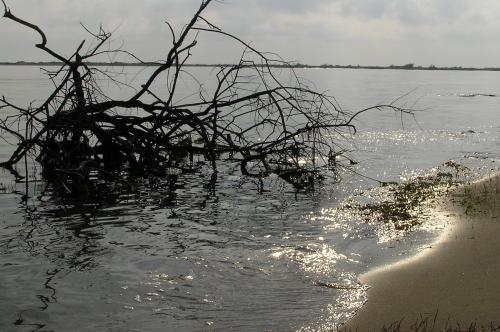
380,32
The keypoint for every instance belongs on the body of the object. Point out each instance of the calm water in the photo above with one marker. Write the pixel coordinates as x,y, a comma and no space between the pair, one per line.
206,253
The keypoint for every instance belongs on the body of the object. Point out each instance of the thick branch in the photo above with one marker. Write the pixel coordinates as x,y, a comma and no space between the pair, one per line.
43,45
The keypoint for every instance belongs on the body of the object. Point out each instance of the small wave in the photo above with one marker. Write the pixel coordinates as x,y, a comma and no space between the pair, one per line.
472,95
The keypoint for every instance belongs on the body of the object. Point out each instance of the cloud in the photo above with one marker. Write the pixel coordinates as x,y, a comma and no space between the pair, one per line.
315,31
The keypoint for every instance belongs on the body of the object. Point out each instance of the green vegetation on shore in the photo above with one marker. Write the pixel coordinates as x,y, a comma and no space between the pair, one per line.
403,204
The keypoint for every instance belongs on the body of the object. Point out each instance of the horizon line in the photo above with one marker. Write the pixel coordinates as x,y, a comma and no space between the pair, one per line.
409,66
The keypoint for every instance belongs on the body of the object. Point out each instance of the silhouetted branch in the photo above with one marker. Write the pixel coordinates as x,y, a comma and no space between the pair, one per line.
81,135
43,45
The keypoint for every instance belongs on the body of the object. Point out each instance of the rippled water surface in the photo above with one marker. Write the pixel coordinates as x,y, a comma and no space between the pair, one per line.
204,251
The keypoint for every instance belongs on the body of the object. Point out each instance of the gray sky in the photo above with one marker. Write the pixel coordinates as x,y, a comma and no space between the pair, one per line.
380,32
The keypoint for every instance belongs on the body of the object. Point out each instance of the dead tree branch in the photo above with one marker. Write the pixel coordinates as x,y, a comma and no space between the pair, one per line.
80,135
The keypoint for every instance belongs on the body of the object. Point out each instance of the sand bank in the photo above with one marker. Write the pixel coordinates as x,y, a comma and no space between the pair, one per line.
458,278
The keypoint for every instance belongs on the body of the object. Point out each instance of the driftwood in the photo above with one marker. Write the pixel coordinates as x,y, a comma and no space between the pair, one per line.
80,135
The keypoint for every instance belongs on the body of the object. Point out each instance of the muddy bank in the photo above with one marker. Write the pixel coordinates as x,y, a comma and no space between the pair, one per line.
455,281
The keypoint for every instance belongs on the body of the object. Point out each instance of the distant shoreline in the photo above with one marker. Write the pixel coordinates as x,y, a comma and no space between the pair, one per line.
291,65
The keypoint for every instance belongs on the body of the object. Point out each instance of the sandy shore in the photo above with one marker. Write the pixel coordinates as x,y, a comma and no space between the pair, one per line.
458,278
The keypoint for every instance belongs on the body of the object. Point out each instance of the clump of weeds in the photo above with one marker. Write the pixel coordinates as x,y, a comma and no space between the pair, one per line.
403,204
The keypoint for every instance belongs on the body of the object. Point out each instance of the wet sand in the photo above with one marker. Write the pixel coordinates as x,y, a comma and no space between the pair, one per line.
455,283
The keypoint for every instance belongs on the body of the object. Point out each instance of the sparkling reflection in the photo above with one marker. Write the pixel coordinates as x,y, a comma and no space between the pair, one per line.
218,251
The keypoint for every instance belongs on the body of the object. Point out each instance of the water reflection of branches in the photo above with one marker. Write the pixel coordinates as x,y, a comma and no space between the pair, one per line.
20,322
46,300
41,233
64,246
